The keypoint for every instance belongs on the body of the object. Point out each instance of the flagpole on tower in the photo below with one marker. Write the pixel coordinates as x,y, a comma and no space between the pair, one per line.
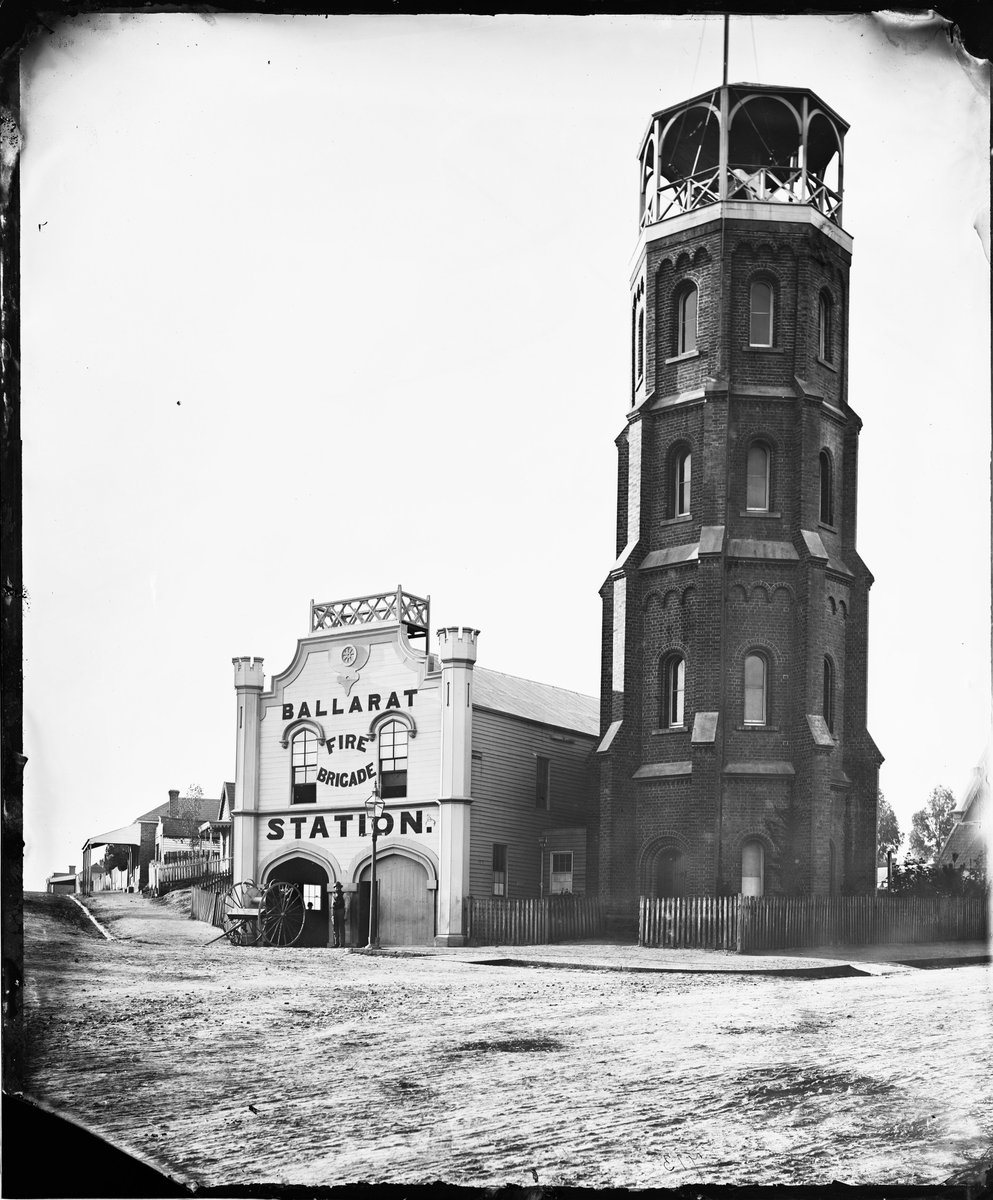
727,24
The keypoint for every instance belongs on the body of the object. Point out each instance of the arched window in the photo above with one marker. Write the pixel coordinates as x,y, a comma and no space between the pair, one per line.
686,312
829,693
825,327
761,300
827,488
757,489
303,767
681,470
755,689
640,370
392,760
752,868
673,691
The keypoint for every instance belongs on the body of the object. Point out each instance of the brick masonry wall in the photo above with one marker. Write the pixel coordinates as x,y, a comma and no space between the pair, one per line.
713,610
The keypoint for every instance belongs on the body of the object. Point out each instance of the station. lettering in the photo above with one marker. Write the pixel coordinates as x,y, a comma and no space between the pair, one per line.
410,822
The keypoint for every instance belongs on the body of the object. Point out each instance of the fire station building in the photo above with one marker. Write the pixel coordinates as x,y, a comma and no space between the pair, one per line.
486,777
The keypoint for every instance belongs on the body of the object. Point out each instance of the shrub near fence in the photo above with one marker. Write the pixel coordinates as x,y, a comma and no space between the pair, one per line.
496,921
751,923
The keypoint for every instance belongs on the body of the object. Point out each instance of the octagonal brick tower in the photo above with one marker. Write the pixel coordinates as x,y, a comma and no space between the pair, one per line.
734,752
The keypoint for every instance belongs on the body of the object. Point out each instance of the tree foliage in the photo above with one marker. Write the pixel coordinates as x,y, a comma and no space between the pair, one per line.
189,814
931,824
116,858
888,835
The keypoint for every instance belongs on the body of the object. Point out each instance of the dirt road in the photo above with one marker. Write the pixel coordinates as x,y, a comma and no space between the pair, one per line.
227,1065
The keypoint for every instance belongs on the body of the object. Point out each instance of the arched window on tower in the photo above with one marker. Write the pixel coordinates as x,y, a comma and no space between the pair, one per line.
752,868
681,471
761,304
827,488
829,693
673,691
686,319
392,760
640,348
756,674
825,327
303,767
758,475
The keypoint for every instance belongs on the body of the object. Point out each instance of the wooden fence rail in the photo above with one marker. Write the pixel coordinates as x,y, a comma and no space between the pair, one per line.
206,906
512,922
199,869
751,923
676,922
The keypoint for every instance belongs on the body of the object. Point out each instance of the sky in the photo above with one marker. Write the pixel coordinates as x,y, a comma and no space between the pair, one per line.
313,307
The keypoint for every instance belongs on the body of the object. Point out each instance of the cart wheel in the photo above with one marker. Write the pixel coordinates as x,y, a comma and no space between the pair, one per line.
281,914
239,929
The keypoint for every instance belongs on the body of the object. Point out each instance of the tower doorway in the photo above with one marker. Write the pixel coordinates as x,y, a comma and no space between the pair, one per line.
313,881
670,873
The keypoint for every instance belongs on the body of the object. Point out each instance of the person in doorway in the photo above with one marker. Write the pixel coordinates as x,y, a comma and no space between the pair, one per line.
338,916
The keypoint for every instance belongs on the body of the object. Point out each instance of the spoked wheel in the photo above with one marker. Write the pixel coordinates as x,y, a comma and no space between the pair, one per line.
240,914
281,914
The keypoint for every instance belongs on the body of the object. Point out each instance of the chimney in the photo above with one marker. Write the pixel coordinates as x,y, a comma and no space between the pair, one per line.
174,802
72,869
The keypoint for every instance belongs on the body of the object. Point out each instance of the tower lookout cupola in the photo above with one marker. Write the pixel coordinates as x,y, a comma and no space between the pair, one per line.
743,145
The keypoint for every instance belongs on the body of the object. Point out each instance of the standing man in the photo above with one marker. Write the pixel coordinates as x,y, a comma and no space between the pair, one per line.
338,916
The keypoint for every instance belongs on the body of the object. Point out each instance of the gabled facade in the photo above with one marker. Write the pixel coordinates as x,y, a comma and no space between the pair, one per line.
485,777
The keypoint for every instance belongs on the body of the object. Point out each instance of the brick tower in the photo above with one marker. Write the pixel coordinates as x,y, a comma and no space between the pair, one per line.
735,755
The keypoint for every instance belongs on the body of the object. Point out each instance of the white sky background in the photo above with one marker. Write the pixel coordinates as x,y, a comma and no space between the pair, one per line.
320,306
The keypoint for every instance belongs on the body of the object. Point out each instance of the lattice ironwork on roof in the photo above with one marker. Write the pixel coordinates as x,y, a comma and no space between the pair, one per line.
382,608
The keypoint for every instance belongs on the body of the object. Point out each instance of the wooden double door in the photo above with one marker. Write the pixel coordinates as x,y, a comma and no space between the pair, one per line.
406,904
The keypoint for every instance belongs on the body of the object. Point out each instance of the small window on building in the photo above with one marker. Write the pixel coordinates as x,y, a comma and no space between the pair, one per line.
673,691
827,488
755,689
761,300
392,760
561,873
686,313
312,893
758,473
825,327
542,780
640,346
499,869
829,694
682,471
752,868
303,761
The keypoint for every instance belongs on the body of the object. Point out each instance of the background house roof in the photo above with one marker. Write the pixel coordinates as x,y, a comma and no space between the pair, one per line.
535,701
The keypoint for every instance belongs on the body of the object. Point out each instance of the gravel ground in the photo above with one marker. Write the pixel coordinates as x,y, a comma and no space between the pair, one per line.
224,1065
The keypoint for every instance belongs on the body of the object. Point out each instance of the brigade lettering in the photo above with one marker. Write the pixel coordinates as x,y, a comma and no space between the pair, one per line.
410,822
373,703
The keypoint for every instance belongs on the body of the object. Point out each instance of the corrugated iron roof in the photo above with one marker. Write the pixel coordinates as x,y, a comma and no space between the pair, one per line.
535,701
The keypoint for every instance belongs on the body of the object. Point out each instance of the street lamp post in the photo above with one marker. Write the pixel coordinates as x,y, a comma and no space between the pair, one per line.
374,810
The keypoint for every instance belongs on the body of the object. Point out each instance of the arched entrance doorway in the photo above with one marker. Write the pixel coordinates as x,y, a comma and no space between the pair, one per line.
406,903
313,881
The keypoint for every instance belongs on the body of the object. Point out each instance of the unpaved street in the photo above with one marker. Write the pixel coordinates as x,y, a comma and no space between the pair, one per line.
225,1065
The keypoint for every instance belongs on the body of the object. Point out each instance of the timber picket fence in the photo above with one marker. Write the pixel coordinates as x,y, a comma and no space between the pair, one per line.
206,905
492,921
752,923
196,869
681,922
